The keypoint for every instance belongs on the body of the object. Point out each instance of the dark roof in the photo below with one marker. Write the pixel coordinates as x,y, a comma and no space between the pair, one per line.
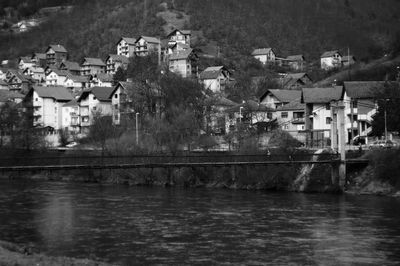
20,76
58,48
132,86
59,93
26,59
184,32
118,58
101,93
182,54
330,53
284,96
93,61
77,78
293,78
261,51
60,72
6,95
104,77
70,65
71,103
292,106
322,95
298,57
370,89
3,83
39,55
212,72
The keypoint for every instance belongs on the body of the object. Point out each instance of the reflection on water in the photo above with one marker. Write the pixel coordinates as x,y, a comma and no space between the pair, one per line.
175,226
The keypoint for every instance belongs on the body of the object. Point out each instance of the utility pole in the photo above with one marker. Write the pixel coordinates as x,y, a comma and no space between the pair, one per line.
137,128
342,144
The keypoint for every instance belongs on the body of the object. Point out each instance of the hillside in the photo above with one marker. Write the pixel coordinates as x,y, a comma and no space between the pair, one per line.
236,27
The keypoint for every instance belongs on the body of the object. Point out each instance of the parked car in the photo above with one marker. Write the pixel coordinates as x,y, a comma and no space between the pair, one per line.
382,144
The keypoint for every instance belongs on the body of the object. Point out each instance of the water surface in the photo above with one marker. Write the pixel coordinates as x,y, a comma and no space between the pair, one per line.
137,225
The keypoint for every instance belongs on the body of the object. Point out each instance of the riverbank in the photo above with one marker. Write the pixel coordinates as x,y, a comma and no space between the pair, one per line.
12,254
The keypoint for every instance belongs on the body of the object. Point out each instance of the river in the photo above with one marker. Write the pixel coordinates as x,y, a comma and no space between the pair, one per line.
140,225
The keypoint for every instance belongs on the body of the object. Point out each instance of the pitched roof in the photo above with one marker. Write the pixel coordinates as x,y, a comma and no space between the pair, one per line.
39,55
101,93
93,61
70,65
322,95
149,39
292,78
58,48
298,57
60,72
6,95
118,58
104,77
26,59
292,106
59,93
330,53
211,72
71,103
182,54
261,51
371,89
184,32
77,78
130,41
284,96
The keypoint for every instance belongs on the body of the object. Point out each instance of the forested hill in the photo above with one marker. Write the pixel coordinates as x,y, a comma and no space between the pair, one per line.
306,27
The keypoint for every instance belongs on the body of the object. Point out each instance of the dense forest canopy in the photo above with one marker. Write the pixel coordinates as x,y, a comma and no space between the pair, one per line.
307,27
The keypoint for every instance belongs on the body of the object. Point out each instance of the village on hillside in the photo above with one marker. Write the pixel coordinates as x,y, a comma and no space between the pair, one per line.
64,95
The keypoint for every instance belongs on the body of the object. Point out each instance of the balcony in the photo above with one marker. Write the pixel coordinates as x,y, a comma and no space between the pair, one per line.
300,120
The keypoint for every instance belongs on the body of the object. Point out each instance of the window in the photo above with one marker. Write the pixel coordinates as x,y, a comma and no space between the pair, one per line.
328,120
284,114
328,106
354,103
269,115
116,96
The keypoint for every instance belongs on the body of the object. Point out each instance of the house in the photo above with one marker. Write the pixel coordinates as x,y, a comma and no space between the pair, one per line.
264,55
124,105
216,116
39,59
92,66
183,63
290,117
318,112
36,73
275,98
55,54
145,45
126,47
20,82
251,114
294,81
296,62
101,80
25,62
56,77
215,78
70,117
75,83
10,96
72,67
114,61
179,36
331,59
46,104
93,101
348,60
176,48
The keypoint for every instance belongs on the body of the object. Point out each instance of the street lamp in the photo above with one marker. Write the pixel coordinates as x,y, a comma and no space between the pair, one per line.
137,128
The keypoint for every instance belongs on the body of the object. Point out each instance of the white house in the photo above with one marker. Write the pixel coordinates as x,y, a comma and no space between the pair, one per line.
37,73
47,105
101,80
95,100
290,117
70,117
179,36
92,66
183,63
145,45
331,59
76,83
215,78
264,55
114,61
276,98
25,62
126,47
56,77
